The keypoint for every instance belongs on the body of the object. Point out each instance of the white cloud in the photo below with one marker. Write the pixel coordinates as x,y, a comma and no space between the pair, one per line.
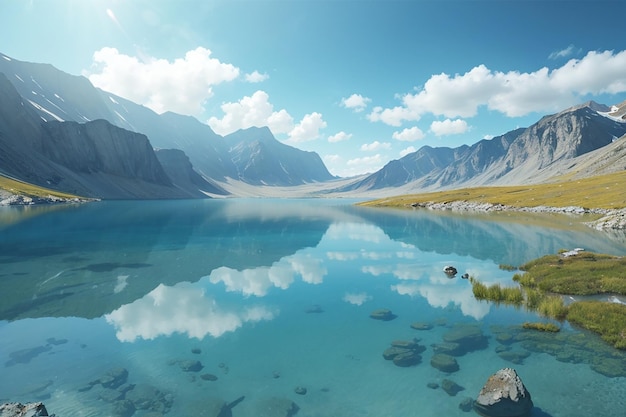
375,146
511,93
355,102
410,134
371,161
340,136
563,52
448,127
254,110
308,128
256,77
182,85
406,151
488,137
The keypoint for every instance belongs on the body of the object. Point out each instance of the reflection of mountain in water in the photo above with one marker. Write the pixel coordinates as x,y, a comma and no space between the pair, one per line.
88,260
506,238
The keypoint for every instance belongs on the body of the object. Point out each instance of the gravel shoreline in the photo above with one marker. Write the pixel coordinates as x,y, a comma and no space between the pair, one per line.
610,220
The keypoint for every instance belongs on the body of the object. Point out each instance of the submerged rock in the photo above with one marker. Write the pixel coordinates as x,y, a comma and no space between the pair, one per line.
190,366
504,395
382,314
445,363
451,387
469,336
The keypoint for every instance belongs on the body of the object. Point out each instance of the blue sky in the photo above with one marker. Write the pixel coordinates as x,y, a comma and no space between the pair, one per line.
358,82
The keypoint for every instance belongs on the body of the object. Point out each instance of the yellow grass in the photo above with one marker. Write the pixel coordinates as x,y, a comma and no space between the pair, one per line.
604,191
30,190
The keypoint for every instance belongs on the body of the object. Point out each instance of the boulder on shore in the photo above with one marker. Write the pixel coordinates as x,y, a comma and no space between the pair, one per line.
23,410
504,395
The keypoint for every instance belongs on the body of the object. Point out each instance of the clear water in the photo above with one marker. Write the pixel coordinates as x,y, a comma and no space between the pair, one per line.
270,295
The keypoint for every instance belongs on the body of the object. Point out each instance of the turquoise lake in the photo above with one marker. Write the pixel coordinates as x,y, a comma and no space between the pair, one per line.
178,308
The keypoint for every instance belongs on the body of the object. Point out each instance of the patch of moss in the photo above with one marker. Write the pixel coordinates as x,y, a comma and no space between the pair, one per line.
542,327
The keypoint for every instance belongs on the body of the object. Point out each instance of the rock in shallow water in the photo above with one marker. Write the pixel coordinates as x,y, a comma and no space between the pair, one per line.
504,395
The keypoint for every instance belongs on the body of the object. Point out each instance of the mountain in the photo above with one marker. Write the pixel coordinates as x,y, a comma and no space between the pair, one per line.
93,159
55,95
261,159
528,155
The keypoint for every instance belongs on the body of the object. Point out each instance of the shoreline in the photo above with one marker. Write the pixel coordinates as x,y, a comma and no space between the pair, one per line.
611,219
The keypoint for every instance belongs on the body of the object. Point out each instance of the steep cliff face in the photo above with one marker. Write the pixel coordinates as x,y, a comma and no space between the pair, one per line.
95,159
99,146
179,169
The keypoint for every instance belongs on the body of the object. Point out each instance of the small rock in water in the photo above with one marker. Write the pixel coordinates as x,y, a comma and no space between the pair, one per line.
196,351
451,387
300,390
208,377
382,314
190,366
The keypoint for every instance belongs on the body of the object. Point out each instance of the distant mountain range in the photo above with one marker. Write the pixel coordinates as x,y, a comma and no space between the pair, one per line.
59,131
554,146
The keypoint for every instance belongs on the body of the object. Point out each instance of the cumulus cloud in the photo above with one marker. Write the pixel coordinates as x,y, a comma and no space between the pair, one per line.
406,151
410,134
255,110
256,77
339,137
375,146
181,86
356,102
308,128
369,161
511,93
448,127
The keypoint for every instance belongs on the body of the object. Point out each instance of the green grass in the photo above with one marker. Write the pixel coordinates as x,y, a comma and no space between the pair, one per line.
606,319
584,274
30,190
542,327
603,191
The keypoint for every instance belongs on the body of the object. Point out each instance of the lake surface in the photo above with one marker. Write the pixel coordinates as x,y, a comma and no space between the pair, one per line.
179,307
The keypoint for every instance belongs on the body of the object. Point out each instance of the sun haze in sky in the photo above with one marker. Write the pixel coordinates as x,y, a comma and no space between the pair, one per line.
359,82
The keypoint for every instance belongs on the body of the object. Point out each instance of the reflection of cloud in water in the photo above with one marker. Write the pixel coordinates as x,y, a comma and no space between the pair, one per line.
121,283
183,308
437,296
281,274
342,256
377,270
356,299
355,231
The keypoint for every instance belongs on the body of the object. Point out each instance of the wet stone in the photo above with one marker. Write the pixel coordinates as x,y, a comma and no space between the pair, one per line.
419,325
451,387
444,363
208,377
382,314
190,366
300,390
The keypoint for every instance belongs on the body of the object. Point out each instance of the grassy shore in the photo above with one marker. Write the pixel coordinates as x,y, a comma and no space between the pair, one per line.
602,192
584,273
29,190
